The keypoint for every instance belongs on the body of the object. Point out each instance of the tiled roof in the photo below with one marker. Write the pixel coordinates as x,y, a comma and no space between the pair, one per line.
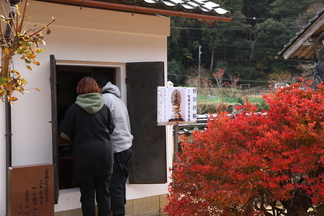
301,46
194,6
199,9
188,129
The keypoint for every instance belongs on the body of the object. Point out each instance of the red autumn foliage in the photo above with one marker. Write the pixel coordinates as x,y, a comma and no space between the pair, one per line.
255,164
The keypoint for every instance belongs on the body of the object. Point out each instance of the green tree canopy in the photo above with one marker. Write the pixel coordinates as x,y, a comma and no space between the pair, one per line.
290,9
248,44
269,37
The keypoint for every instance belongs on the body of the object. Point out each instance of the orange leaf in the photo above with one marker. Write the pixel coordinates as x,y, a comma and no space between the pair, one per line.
6,51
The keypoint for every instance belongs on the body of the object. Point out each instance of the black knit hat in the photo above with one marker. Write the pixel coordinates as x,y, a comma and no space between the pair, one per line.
101,80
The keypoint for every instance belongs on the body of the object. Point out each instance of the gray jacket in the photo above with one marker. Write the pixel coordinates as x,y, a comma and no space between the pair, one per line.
121,137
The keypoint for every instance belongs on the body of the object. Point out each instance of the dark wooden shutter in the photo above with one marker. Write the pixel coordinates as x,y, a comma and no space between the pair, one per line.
148,164
53,84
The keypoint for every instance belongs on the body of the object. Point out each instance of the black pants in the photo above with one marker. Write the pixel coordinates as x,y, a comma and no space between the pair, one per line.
91,188
119,177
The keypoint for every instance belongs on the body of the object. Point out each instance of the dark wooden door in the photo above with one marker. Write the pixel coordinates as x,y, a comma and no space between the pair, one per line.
148,164
53,84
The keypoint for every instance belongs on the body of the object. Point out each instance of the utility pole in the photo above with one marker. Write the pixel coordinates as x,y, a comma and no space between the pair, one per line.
199,66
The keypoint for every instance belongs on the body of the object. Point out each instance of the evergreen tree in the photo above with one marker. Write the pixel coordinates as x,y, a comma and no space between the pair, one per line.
248,44
257,11
291,9
270,36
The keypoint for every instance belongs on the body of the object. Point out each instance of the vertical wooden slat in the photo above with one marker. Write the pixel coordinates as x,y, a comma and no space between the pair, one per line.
53,84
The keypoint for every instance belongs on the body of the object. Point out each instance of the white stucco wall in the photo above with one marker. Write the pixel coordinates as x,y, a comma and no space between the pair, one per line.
80,37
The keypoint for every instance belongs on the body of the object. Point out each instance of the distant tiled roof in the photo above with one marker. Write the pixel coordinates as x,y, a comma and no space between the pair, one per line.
188,129
301,46
199,9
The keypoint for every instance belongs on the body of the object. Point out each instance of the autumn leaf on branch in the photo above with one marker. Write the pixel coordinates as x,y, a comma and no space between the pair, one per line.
14,39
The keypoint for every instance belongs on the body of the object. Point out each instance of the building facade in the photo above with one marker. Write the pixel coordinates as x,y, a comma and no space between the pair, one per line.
83,41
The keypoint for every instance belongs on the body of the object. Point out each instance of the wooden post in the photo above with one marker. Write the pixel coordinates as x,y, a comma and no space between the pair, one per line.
175,141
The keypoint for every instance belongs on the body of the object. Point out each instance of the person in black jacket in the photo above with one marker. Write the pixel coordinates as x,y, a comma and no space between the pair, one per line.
88,123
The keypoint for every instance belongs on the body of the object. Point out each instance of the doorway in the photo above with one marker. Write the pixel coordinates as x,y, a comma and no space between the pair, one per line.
67,78
148,163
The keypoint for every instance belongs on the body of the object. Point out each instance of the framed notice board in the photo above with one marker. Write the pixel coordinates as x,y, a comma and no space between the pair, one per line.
31,190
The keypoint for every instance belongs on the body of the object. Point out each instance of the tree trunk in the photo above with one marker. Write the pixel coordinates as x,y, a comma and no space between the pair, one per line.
5,72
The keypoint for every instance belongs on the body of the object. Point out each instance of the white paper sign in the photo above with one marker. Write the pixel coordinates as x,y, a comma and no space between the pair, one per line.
176,104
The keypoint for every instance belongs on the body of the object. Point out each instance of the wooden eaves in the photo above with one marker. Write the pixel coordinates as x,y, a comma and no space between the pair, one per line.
301,46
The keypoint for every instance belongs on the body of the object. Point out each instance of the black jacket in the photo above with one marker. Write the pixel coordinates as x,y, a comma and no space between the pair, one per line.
89,124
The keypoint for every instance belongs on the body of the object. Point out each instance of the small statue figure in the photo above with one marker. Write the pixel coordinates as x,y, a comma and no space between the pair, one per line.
176,101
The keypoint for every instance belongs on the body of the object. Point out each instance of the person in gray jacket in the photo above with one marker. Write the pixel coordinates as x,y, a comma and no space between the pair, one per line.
122,140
